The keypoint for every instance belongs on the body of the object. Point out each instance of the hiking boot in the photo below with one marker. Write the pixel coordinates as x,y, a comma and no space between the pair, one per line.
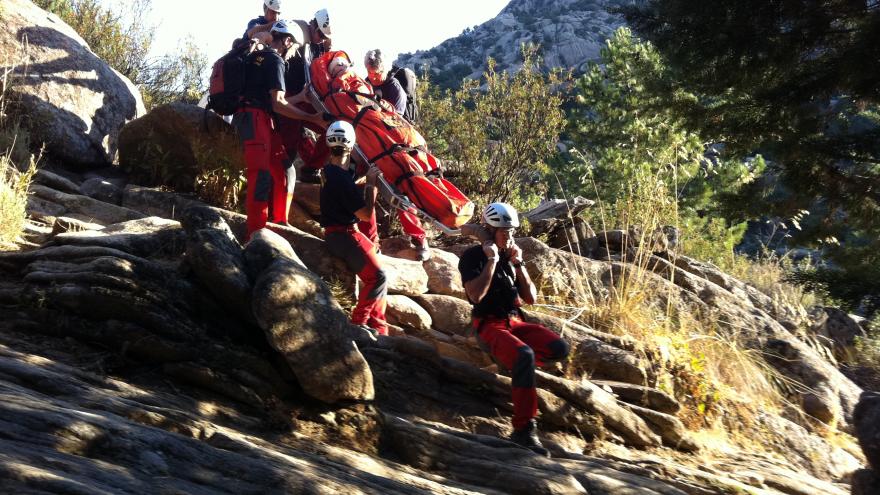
423,251
527,437
309,175
366,333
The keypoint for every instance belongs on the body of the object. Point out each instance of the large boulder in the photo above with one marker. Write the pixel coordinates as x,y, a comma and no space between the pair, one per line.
176,143
443,275
306,325
404,276
560,275
217,259
72,100
839,330
448,314
403,311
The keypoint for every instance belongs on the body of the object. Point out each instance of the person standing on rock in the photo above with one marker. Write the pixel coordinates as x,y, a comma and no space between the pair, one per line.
342,206
258,28
317,40
264,154
497,283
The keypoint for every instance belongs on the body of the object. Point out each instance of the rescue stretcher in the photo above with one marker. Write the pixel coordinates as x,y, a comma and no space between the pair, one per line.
403,149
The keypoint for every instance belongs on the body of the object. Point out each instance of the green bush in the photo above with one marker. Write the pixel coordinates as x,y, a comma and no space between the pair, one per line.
496,134
644,166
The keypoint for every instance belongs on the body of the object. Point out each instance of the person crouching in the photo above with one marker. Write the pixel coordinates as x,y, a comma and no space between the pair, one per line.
342,205
497,283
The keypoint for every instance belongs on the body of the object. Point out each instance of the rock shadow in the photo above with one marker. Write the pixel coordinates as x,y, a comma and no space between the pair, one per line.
118,104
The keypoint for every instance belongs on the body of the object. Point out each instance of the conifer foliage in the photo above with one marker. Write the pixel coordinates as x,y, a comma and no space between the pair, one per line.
796,81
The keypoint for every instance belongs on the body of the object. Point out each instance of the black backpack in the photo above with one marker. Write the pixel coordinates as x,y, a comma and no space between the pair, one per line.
409,82
228,78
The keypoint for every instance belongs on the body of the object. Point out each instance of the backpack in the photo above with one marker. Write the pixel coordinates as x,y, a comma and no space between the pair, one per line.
409,82
227,78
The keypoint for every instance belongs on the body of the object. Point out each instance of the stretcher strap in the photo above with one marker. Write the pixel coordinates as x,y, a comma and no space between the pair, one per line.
394,149
359,116
407,175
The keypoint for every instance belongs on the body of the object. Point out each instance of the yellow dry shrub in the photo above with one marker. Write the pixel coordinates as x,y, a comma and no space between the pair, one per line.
13,199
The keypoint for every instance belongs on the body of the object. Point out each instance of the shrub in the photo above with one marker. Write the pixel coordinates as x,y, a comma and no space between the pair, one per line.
647,168
13,199
497,136
14,156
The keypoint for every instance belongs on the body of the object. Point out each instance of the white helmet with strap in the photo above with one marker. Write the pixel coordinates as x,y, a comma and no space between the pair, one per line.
283,28
274,5
322,18
340,134
501,216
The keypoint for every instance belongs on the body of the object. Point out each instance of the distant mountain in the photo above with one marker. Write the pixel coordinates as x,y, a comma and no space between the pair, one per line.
569,32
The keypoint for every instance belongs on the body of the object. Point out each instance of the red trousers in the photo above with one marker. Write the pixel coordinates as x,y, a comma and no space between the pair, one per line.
519,347
411,224
348,243
409,221
314,153
264,157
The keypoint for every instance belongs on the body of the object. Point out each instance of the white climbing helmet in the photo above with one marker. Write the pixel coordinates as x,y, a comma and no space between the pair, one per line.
337,66
501,216
340,134
283,28
274,5
322,18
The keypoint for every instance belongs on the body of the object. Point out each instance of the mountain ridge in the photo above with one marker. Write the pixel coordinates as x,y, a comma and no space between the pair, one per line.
569,33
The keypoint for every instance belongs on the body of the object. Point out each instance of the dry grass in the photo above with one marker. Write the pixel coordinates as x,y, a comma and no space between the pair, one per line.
696,358
768,273
13,199
17,165
343,294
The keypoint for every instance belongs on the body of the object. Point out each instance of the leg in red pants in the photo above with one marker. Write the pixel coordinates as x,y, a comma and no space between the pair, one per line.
314,154
263,156
370,229
519,347
360,256
411,224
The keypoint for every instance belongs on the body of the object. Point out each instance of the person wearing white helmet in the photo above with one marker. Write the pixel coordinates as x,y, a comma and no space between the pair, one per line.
258,28
343,205
318,32
497,284
316,35
269,187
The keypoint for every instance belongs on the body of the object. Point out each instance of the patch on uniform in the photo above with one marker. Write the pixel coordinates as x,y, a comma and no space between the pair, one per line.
263,187
244,124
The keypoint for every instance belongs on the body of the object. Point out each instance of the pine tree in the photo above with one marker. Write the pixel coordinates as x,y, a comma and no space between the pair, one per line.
796,81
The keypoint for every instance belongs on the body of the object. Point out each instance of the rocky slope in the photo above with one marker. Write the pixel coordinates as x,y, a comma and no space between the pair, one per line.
570,33
145,349
141,350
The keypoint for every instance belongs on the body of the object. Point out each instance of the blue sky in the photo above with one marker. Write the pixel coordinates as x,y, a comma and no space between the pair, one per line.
360,25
